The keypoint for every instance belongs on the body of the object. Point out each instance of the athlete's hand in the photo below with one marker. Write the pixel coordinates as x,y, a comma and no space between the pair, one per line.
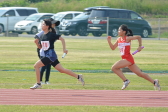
139,48
109,38
65,51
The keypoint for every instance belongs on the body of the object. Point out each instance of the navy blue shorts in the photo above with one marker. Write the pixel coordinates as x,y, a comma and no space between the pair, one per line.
47,61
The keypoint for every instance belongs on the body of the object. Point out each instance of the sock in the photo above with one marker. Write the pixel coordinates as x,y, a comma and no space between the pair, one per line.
126,80
78,76
39,83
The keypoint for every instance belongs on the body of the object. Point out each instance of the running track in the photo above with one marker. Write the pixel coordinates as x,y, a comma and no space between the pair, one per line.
83,97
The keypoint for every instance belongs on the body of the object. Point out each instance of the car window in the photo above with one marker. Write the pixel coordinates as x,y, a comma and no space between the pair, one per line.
58,16
98,13
44,17
31,11
10,13
135,16
113,13
81,16
76,14
123,14
68,16
22,12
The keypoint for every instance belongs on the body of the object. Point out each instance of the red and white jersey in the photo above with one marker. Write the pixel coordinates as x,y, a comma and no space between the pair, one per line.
124,46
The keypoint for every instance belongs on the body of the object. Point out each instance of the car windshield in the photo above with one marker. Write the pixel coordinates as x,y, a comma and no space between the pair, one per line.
98,13
81,16
58,16
33,17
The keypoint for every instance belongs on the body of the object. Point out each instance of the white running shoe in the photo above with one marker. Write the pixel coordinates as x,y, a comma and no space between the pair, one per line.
125,84
81,79
156,85
47,82
42,82
36,86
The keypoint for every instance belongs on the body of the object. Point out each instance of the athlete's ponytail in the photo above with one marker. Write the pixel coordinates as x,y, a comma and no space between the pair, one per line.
128,31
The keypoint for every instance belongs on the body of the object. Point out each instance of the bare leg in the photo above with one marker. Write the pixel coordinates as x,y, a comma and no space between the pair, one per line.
37,67
134,68
120,64
66,71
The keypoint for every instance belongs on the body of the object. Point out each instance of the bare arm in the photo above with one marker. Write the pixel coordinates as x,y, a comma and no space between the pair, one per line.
112,46
134,38
63,45
36,41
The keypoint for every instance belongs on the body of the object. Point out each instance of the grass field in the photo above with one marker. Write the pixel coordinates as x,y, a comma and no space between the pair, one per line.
91,57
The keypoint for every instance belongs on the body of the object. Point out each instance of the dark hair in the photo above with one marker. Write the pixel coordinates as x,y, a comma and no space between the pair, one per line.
128,31
48,23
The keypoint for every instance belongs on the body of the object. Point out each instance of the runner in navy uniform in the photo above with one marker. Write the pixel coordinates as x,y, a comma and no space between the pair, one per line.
46,68
49,55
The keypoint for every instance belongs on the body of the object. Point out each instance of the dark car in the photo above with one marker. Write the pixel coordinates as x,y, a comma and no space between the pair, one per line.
100,18
78,25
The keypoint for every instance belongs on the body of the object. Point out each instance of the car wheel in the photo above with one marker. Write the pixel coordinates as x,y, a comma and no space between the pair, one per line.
82,31
34,30
1,28
114,32
145,33
97,34
73,34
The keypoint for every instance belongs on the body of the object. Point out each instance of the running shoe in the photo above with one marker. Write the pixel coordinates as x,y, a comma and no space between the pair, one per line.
36,86
156,85
47,82
42,82
125,84
81,79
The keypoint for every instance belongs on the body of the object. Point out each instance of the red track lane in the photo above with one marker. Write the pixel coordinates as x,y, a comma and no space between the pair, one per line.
84,97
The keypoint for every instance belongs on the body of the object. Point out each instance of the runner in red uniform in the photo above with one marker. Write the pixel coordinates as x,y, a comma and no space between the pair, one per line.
124,43
125,49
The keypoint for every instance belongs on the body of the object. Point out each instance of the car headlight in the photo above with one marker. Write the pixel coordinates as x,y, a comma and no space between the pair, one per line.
28,24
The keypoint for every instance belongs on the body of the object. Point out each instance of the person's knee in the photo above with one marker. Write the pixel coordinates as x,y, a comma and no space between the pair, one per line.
36,66
114,68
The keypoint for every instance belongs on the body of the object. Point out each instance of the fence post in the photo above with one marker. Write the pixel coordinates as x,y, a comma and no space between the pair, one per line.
107,26
7,15
159,28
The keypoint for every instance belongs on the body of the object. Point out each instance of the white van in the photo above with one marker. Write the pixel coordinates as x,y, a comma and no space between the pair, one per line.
9,16
31,23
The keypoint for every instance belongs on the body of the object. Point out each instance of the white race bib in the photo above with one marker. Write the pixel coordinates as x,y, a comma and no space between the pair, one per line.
45,45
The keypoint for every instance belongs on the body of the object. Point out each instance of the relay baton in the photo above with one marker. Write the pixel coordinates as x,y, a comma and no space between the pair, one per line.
137,50
63,55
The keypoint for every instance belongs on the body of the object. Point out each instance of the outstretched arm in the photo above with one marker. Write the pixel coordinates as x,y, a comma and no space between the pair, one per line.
63,45
112,46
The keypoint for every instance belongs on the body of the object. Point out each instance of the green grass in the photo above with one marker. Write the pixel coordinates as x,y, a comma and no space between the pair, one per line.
84,54
18,108
18,56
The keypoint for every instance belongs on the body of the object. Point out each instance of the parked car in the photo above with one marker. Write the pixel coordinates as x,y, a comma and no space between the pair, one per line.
78,25
11,15
31,23
62,16
97,22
